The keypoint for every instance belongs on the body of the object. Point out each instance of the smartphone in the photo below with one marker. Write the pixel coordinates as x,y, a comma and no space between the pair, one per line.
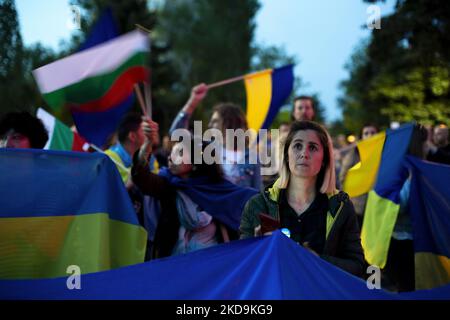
268,224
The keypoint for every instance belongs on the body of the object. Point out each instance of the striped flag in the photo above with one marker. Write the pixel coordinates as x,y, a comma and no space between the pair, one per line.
429,204
61,208
97,127
382,175
60,137
97,78
267,91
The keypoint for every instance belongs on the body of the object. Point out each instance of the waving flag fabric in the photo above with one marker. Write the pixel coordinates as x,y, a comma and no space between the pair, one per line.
429,207
98,78
103,30
361,178
97,127
266,93
60,137
383,201
272,267
64,208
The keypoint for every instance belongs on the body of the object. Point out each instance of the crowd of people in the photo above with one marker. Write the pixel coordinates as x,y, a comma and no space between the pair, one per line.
184,205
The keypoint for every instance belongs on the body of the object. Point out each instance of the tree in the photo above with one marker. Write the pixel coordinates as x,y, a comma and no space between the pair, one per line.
402,73
12,83
210,41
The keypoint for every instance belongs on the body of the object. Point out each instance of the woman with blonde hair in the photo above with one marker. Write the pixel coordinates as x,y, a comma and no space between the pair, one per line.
304,200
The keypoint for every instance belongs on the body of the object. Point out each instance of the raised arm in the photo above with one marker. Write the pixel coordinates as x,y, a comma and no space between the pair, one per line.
198,93
148,182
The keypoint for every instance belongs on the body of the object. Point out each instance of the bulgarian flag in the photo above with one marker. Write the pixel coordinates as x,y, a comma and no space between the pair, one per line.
98,78
60,137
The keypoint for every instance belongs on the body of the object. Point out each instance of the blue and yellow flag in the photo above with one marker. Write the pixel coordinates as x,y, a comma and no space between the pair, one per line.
382,175
267,91
261,268
429,207
64,208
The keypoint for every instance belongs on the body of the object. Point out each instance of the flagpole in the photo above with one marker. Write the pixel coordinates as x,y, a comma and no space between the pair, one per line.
148,99
235,79
142,28
93,146
224,82
137,89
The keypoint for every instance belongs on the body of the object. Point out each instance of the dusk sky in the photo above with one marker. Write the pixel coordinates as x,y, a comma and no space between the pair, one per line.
321,34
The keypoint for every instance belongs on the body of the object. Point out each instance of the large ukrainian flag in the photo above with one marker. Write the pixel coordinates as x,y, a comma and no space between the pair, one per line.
429,204
382,175
64,208
266,92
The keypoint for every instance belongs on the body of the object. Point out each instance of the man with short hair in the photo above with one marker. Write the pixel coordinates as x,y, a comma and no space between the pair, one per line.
303,108
130,138
22,130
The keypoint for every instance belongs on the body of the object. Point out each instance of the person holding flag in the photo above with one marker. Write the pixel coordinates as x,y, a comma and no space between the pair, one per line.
224,116
198,207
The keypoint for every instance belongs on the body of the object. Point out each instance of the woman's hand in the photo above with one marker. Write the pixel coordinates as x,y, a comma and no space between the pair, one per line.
150,129
198,93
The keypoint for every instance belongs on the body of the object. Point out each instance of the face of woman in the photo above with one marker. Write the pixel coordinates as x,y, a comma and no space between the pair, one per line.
305,154
179,161
215,122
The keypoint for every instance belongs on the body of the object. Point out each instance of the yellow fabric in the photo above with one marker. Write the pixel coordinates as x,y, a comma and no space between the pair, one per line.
258,87
379,221
361,178
43,247
124,173
155,166
431,270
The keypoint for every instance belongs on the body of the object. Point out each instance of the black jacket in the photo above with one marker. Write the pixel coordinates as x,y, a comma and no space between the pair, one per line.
343,243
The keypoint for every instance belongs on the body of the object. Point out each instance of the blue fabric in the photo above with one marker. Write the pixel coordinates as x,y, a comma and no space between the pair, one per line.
103,30
272,267
243,174
224,201
403,226
391,174
123,154
97,127
36,183
429,204
282,85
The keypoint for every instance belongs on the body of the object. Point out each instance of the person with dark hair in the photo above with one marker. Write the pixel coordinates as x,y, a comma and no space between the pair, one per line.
130,138
305,201
303,108
399,274
22,130
236,162
350,159
438,145
197,204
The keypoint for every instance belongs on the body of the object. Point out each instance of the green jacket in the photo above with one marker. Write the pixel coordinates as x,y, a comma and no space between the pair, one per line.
343,243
